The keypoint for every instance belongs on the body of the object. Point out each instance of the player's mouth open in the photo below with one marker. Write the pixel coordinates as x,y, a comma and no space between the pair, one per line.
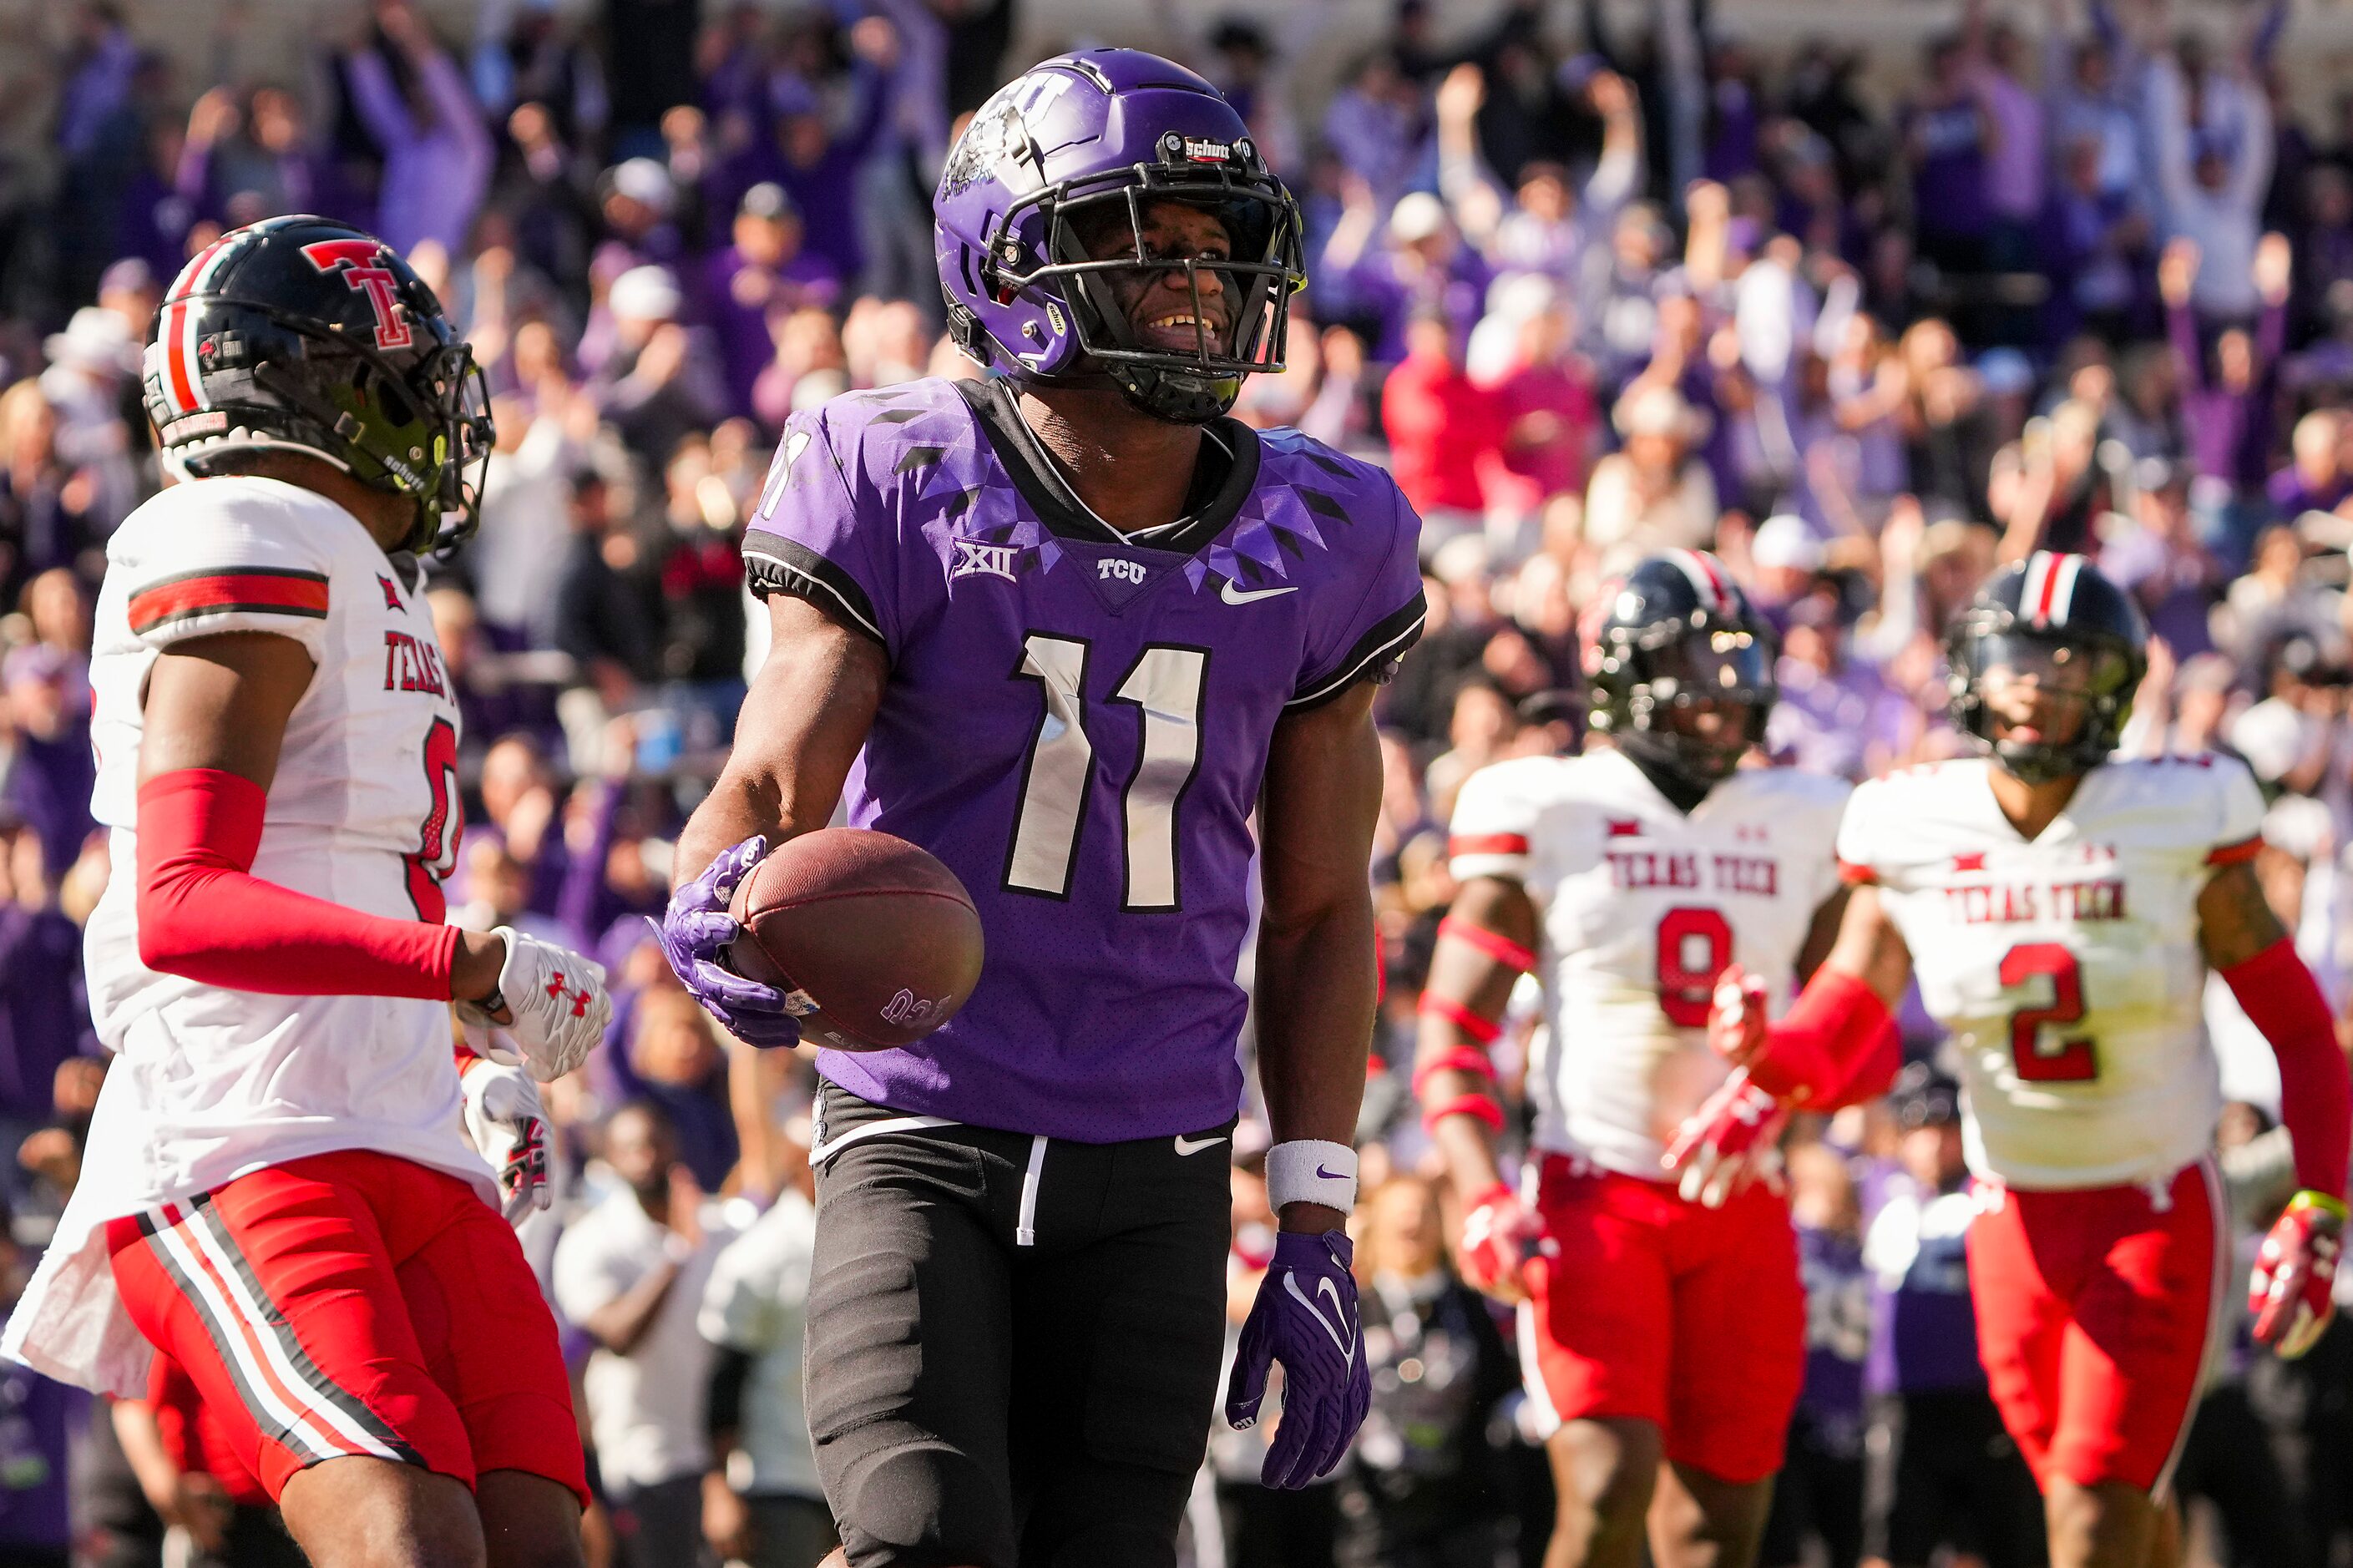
1184,331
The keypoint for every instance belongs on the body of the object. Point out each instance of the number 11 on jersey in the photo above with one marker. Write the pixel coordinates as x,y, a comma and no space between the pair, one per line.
1165,685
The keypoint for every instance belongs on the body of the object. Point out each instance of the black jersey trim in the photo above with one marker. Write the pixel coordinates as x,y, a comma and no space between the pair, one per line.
993,407
773,565
1389,636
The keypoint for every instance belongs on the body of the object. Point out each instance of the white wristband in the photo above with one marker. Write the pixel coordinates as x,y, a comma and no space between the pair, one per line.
1310,1171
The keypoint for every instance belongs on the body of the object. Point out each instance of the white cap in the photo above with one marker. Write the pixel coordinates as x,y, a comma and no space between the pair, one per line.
642,180
96,339
1788,541
644,294
1417,216
2273,735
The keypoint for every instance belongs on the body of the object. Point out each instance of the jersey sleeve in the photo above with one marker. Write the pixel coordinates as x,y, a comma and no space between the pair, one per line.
823,533
2238,831
1348,642
1494,820
1819,811
1859,851
200,569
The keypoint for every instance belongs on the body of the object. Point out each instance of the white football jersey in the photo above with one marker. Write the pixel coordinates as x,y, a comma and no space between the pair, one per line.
1642,908
2068,968
208,1083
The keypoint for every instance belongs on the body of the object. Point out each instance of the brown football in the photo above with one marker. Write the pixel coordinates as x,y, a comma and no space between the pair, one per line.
876,940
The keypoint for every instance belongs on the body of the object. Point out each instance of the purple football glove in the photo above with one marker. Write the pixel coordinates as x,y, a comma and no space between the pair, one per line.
695,931
1305,1316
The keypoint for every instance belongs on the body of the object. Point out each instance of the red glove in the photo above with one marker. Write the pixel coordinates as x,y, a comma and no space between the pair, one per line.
2293,1273
1732,1140
1498,1232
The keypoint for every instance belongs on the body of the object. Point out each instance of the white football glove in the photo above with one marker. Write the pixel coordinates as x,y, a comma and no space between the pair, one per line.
550,1003
506,1126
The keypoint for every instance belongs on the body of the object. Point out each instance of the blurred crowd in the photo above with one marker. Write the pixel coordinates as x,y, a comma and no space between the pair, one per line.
2082,281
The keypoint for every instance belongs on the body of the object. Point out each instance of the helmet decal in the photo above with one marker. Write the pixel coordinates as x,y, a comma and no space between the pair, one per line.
176,335
359,261
1707,578
2050,587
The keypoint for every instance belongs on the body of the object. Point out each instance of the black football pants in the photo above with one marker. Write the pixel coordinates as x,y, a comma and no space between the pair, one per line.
1013,1342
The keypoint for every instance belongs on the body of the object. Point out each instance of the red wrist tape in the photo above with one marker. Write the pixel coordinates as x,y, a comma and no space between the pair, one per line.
1460,1059
1482,1106
1483,1030
2279,996
204,916
1495,945
1830,1031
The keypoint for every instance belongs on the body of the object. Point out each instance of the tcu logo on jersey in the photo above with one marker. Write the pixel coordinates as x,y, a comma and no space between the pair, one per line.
357,259
1121,571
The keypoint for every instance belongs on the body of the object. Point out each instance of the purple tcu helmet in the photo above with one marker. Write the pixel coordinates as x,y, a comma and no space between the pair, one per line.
1108,131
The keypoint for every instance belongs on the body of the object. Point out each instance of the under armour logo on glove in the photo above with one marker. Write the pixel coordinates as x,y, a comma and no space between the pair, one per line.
1305,1316
504,1123
556,1010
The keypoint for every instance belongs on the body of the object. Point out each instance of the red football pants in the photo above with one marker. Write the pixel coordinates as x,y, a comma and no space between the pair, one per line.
2096,1310
1691,1317
354,1303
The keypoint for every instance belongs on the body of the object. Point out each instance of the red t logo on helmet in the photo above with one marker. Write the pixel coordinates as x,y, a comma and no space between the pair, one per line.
359,260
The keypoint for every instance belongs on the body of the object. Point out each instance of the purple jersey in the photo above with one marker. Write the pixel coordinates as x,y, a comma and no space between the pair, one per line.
1077,726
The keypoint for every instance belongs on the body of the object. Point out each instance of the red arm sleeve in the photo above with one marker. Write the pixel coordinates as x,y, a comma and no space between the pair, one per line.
2280,998
1872,1075
1823,1048
203,915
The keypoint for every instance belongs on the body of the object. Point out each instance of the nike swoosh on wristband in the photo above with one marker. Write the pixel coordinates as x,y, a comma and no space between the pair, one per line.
1195,1145
1347,1347
1232,593
1331,1175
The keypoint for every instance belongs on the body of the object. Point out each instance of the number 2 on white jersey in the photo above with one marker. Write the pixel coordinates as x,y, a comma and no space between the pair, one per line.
2066,1061
1165,686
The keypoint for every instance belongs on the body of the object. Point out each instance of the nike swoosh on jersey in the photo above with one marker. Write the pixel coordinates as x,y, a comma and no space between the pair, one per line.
1195,1145
1232,595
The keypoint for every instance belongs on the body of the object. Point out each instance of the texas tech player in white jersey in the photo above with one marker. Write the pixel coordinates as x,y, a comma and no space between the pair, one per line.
2060,906
363,812
2068,969
1654,1330
1642,907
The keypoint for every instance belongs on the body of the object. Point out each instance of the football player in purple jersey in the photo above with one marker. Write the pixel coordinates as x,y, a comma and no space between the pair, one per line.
1070,628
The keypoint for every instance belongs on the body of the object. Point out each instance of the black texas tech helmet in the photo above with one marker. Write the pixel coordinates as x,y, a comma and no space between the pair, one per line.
2057,606
306,333
1674,631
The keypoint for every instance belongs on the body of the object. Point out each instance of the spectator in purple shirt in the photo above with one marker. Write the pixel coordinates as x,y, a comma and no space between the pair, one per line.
252,159
763,273
1949,136
50,773
436,152
2316,478
2227,411
2161,563
97,134
2095,243
1946,1474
